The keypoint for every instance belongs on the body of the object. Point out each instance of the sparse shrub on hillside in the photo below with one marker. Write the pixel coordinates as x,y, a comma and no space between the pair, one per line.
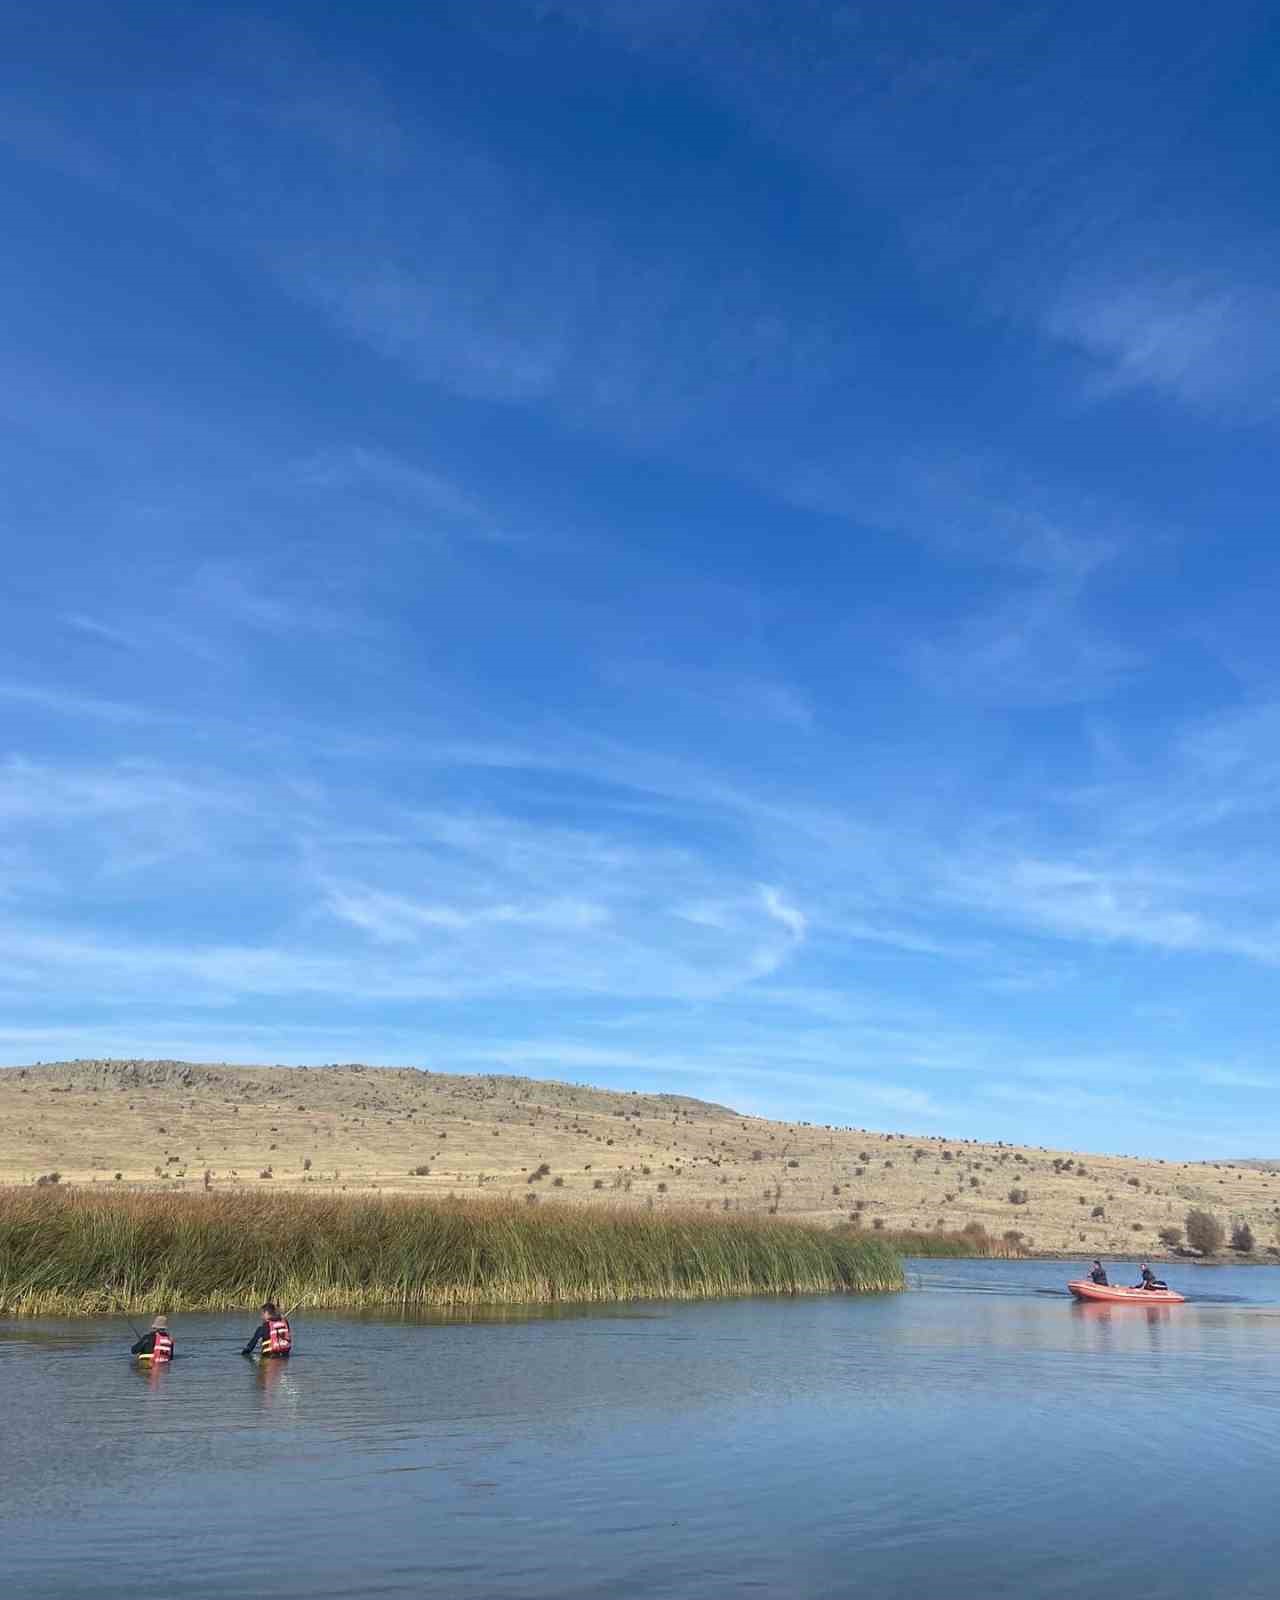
47,1178
1133,1183
1099,1213
1242,1238
1172,1237
419,1172
1018,1197
1204,1231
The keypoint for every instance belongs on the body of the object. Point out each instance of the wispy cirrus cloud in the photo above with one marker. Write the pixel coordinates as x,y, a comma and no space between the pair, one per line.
736,691
974,506
1206,338
1035,647
72,703
272,608
395,918
429,498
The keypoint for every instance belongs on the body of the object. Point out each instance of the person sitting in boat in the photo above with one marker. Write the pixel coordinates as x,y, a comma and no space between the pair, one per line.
272,1333
157,1345
1149,1279
1099,1274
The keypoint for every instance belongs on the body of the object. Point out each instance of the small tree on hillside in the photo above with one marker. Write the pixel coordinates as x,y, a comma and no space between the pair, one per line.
1242,1238
1204,1232
1172,1237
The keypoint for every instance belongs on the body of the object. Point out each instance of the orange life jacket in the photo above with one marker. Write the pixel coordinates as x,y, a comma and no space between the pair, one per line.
279,1339
162,1345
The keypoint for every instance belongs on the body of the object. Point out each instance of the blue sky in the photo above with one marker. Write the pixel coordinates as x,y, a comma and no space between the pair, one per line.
718,547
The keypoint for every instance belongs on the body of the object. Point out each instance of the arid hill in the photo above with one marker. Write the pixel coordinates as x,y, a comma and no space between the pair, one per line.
359,1128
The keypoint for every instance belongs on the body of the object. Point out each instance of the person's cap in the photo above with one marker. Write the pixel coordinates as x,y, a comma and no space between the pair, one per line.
159,1322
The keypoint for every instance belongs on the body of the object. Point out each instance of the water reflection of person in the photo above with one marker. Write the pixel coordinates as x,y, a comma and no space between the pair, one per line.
269,1374
276,1388
152,1373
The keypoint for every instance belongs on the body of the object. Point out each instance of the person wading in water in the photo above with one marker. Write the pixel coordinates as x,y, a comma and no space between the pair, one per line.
155,1346
272,1333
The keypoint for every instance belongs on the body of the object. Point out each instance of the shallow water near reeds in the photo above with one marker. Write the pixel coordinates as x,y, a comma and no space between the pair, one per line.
979,1435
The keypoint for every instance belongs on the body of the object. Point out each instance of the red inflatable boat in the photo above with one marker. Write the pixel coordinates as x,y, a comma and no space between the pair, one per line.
1115,1294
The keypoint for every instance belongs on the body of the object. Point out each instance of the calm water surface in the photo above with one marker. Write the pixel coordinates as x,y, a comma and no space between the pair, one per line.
981,1435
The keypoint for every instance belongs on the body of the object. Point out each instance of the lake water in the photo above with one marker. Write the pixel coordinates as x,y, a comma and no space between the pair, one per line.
982,1435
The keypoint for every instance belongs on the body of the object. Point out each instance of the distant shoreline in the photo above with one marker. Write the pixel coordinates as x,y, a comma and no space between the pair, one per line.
132,1126
1256,1259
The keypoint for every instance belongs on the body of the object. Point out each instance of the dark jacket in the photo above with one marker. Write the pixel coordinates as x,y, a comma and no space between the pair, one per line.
1099,1275
145,1346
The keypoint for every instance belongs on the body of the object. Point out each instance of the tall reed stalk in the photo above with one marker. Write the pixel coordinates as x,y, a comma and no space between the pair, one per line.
73,1252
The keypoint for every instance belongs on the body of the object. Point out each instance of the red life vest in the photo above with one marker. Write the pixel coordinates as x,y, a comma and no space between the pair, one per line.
279,1339
162,1349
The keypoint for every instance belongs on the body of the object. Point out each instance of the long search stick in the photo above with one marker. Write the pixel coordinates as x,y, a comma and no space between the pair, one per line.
126,1316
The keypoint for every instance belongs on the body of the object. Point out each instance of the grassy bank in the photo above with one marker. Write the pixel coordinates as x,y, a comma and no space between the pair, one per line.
75,1252
964,1243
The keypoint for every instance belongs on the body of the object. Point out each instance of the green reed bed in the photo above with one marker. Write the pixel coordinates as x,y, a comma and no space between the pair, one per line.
75,1252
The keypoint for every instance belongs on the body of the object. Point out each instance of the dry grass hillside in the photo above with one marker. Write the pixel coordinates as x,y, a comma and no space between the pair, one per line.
354,1128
